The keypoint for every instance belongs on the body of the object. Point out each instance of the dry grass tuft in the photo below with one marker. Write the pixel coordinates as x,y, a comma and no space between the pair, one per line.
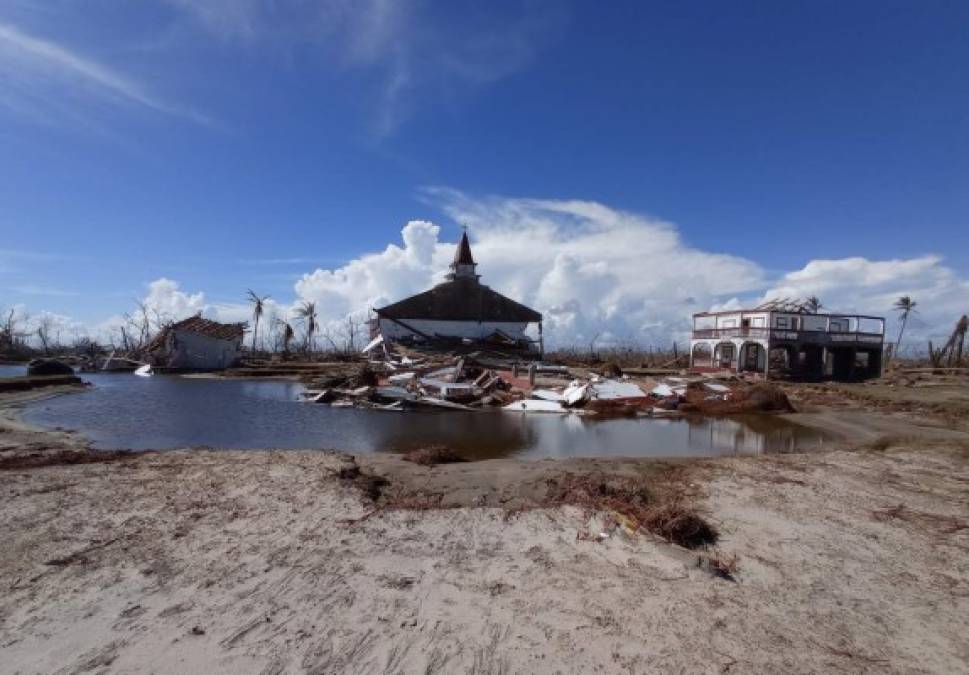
671,519
433,455
723,565
680,524
370,485
941,524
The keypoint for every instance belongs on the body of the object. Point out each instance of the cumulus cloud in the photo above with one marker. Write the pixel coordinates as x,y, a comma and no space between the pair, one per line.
601,273
594,272
872,287
167,300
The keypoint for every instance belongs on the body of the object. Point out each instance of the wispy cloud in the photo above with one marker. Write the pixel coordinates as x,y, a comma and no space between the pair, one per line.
412,51
44,291
18,255
34,70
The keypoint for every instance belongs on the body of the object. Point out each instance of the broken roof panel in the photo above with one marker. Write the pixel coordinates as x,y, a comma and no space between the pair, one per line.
196,324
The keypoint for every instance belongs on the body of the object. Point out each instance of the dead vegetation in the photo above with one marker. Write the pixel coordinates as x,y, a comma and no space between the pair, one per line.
59,457
369,485
666,512
720,564
942,524
433,455
671,518
760,397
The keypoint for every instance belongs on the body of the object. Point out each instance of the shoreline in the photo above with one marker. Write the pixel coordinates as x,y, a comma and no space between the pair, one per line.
263,561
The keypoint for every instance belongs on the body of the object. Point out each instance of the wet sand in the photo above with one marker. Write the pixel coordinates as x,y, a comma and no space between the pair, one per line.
853,560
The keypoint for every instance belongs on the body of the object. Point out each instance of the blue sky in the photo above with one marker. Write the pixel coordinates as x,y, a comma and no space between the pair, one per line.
235,144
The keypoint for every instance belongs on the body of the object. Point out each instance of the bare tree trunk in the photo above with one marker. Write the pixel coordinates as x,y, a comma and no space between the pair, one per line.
901,331
255,332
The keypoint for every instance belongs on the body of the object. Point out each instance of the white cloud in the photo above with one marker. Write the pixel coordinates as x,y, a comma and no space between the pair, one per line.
377,278
167,300
593,270
39,76
872,287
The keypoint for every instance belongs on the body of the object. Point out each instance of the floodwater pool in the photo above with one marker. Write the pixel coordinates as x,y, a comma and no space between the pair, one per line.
123,411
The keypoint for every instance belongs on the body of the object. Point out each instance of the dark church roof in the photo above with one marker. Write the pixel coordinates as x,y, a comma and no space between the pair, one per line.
463,299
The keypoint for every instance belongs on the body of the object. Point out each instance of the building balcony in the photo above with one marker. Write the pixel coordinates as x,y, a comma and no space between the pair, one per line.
814,337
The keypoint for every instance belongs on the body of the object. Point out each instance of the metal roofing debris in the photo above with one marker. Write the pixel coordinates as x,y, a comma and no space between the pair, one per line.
576,392
547,395
714,386
613,389
535,405
791,305
196,324
376,342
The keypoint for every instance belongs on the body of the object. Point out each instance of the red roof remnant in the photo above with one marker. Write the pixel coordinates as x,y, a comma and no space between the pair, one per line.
462,256
196,324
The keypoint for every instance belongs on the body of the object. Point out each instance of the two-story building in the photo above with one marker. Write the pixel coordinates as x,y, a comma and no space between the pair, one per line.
784,338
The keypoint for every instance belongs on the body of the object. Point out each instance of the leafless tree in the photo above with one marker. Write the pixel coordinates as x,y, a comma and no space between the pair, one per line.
45,325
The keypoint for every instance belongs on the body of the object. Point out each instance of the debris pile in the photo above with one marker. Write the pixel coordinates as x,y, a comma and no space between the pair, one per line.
397,379
403,381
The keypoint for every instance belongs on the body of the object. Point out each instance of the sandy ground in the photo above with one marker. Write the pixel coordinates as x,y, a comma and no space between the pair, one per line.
852,560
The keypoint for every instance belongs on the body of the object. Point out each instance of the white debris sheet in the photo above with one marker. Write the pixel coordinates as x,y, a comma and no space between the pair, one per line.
377,341
536,406
547,395
610,390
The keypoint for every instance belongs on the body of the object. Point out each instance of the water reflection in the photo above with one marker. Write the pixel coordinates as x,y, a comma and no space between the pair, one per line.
125,411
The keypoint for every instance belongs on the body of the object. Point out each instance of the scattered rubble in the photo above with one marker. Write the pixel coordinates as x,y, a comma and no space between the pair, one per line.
397,378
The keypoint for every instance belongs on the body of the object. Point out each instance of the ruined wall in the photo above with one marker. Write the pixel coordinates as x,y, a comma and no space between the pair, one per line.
195,351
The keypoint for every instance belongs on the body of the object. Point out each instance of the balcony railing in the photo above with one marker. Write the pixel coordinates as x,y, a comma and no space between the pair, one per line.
781,334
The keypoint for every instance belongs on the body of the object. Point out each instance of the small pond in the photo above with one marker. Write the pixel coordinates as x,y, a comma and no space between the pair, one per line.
123,411
7,370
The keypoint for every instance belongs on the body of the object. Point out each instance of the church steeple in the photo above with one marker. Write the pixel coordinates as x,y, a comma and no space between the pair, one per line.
464,265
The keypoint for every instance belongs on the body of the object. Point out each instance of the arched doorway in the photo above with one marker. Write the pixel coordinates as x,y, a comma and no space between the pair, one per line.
725,355
752,357
702,355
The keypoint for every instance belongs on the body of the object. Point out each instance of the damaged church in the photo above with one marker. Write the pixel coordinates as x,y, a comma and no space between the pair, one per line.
459,310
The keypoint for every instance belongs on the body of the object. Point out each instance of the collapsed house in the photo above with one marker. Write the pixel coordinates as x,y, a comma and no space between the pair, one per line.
790,339
461,309
197,344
